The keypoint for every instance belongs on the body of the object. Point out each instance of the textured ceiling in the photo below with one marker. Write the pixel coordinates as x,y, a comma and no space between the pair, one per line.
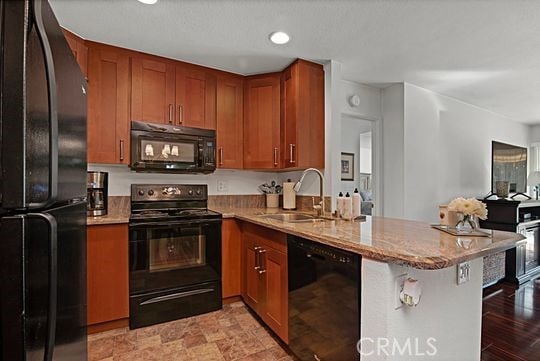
485,53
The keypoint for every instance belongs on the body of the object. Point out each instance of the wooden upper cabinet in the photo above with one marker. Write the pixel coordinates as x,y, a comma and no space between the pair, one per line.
302,115
195,97
108,105
262,145
230,117
79,50
152,90
107,274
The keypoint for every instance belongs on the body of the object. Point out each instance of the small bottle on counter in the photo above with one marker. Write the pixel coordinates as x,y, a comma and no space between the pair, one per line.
356,204
347,206
339,204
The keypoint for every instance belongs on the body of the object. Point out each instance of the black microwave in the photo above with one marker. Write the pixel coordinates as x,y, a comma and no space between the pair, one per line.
164,148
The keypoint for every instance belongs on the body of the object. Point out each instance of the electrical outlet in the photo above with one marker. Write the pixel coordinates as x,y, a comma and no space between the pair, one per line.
398,287
463,272
222,186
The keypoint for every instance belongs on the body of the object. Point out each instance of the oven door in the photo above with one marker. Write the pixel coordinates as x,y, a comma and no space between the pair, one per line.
166,255
162,151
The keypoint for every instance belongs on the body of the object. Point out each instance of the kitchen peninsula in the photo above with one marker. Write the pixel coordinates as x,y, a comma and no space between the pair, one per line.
393,250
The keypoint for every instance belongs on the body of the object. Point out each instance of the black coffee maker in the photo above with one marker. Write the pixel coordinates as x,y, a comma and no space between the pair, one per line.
97,186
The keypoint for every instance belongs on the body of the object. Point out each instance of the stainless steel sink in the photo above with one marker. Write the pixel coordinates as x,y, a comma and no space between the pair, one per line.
293,217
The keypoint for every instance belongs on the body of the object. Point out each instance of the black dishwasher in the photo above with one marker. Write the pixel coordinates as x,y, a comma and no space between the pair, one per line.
324,301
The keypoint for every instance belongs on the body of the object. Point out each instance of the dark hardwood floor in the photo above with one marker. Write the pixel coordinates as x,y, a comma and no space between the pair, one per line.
511,322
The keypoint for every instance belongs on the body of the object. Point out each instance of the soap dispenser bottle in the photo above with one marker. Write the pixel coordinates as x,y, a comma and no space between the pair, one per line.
347,206
339,204
356,204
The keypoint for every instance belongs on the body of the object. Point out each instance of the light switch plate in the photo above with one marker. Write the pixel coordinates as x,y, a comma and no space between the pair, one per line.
222,186
463,272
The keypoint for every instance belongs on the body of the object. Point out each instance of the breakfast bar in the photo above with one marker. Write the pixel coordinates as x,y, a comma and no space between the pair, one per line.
393,251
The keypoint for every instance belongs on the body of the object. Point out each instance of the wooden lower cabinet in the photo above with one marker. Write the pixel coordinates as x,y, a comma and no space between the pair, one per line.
231,242
107,273
264,276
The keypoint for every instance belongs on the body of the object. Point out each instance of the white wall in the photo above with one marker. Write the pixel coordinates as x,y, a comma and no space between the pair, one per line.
337,94
535,133
238,182
446,152
444,306
393,157
351,128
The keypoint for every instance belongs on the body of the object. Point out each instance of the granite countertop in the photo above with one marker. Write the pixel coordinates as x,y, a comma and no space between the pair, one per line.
118,212
409,243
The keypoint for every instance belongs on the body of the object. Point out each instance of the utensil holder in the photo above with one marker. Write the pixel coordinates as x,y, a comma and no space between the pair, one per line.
272,201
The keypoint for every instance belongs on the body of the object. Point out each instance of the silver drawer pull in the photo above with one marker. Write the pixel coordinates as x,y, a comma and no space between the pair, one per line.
177,295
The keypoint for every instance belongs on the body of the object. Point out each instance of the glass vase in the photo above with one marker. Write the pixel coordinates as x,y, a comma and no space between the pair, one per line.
466,223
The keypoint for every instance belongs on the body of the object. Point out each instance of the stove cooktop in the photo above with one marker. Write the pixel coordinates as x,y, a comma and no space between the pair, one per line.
169,202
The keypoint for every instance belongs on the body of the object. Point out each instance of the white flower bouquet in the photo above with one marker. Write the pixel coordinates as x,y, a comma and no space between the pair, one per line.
469,207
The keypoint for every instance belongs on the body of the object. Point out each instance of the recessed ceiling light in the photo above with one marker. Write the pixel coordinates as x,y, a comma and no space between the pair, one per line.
148,2
279,37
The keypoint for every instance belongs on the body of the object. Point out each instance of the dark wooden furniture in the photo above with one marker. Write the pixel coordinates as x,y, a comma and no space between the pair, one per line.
522,262
107,274
264,276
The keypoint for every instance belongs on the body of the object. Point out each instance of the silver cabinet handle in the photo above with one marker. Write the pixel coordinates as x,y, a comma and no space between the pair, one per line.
275,156
291,151
121,150
220,155
261,270
180,114
171,113
257,265
177,295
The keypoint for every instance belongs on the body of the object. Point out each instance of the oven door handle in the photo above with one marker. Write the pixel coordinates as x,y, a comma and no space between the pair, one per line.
206,222
174,296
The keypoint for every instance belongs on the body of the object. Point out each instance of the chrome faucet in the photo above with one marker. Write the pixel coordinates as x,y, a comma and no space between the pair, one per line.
318,207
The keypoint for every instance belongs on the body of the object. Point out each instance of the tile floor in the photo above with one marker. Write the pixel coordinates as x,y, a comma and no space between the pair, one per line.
226,335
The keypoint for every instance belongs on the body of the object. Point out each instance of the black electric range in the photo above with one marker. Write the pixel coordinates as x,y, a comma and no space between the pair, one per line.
175,253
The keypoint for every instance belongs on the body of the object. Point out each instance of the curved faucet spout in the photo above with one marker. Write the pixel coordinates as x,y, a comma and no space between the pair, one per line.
320,208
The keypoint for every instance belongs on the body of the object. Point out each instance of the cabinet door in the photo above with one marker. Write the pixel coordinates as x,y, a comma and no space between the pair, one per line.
107,273
275,309
230,122
108,105
195,97
252,288
262,122
152,90
231,243
303,115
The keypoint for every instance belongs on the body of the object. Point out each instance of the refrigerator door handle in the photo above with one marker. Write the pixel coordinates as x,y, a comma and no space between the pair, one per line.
53,283
53,109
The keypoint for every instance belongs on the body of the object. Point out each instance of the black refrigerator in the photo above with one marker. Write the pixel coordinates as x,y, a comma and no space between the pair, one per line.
42,188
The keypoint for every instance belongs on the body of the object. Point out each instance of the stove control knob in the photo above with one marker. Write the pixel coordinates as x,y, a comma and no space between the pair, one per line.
141,192
190,192
151,192
198,192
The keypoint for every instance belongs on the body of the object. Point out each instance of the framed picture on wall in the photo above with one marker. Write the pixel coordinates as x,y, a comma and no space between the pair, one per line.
347,166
